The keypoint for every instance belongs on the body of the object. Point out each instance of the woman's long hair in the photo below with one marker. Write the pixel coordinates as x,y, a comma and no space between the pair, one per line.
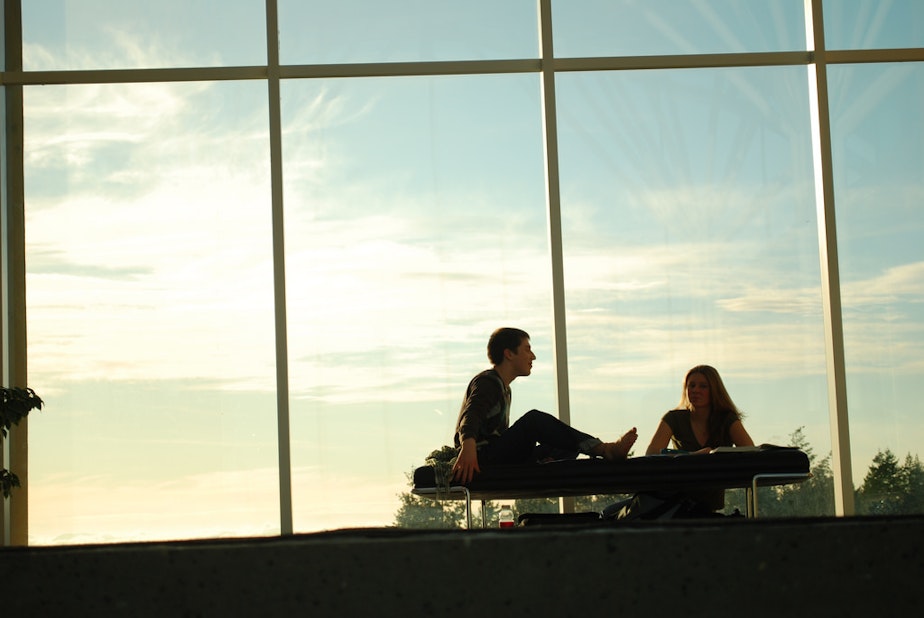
720,401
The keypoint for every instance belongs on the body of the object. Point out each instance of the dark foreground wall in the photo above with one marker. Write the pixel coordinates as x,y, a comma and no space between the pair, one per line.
842,567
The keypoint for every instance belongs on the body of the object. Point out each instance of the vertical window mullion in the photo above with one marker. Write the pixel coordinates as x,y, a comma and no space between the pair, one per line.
279,274
553,198
827,251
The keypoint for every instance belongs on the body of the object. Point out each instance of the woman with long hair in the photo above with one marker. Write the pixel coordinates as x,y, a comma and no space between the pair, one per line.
705,418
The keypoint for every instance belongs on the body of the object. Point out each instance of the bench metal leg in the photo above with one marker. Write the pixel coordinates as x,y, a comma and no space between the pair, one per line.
468,510
752,490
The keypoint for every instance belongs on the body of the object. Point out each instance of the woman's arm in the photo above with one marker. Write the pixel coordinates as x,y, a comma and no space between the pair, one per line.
739,435
661,439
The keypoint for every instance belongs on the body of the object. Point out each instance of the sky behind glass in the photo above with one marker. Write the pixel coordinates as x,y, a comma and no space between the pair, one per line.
415,224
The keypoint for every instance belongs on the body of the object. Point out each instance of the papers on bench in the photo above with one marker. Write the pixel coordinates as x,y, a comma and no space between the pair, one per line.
737,449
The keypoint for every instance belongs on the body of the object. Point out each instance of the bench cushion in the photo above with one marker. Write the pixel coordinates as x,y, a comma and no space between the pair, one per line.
590,476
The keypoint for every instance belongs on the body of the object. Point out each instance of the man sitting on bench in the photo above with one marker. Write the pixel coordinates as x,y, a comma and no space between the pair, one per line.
484,434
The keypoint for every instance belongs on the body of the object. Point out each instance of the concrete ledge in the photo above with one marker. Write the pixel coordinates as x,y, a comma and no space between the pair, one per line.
844,567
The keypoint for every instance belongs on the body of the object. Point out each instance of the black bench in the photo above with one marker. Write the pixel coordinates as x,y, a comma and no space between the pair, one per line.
727,469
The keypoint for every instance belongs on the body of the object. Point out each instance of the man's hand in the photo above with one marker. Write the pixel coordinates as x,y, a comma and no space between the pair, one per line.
467,462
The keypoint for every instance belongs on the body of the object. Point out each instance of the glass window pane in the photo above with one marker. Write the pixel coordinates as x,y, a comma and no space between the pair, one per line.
878,146
150,304
873,24
690,238
584,28
139,34
349,31
415,226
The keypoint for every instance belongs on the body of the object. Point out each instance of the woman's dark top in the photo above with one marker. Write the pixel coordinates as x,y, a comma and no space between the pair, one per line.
684,438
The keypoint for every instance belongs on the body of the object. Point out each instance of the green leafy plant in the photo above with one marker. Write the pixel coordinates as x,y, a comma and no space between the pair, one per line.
442,460
16,403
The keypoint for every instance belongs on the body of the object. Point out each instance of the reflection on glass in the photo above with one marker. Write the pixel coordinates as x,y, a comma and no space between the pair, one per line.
121,34
584,28
873,24
878,146
149,296
415,226
690,238
348,31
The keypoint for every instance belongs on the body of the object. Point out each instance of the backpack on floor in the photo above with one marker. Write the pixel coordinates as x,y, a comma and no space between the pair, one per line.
652,507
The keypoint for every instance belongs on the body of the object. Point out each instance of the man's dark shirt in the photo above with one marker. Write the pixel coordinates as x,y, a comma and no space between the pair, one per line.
485,412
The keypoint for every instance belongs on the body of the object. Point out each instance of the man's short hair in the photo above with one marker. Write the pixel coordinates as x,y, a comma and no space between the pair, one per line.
504,338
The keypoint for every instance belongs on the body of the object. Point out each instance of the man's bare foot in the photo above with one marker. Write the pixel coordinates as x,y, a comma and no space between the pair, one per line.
619,450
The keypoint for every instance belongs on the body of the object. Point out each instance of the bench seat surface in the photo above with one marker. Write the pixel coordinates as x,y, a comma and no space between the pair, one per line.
590,476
